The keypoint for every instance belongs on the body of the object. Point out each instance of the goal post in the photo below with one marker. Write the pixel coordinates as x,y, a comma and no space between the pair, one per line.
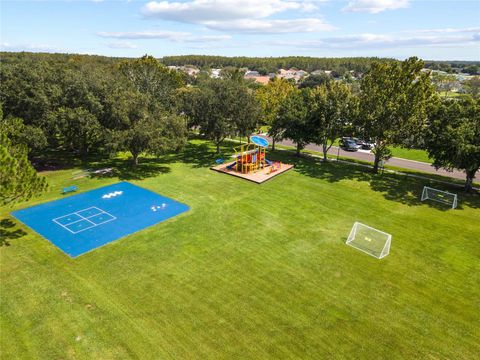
440,196
369,240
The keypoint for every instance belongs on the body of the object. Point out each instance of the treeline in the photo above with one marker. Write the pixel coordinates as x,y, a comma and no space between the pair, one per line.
85,104
78,106
273,64
7,58
56,105
396,104
467,67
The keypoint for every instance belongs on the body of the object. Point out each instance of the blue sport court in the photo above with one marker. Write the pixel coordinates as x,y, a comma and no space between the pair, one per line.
83,222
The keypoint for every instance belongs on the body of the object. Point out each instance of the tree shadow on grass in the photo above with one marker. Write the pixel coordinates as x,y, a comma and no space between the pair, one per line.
395,187
408,190
471,200
197,154
8,232
330,171
125,170
201,154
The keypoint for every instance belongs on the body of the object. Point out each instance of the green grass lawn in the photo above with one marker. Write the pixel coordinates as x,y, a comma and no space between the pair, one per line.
410,154
451,94
264,128
251,271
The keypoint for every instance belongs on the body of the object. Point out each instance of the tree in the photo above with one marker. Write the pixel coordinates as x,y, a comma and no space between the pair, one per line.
444,82
271,65
394,103
32,137
313,81
221,108
472,86
80,130
248,118
453,137
153,134
472,70
293,119
271,97
18,179
28,91
232,73
138,126
331,107
262,71
149,76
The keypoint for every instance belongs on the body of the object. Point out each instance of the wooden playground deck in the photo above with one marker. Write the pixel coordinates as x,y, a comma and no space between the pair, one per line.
257,177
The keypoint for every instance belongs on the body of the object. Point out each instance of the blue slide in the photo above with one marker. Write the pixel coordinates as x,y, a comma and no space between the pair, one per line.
268,162
231,166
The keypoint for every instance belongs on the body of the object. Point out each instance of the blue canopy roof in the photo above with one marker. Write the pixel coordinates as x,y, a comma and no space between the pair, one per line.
258,140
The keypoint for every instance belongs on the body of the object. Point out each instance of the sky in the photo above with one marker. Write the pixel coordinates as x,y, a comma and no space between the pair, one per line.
432,30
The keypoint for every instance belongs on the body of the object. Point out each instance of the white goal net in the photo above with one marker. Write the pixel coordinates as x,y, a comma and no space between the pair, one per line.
440,196
369,240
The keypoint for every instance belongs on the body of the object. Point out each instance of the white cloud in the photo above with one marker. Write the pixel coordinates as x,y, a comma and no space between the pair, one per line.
177,36
207,38
248,16
375,6
171,35
458,38
447,30
29,47
199,11
271,26
121,45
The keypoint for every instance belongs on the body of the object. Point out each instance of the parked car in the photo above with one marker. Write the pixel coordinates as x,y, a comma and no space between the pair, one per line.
367,145
364,144
349,144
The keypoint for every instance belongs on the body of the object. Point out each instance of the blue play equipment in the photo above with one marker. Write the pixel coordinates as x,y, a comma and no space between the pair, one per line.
69,189
83,222
231,166
219,161
268,162
259,141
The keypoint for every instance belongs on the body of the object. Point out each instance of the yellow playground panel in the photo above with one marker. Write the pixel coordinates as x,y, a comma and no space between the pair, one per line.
249,158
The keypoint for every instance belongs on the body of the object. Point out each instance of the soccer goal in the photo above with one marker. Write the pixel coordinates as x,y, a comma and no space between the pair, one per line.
369,240
440,196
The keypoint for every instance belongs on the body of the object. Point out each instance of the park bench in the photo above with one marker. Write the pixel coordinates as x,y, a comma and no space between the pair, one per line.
69,189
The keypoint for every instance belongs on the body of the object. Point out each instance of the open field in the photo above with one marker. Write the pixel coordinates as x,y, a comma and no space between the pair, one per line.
250,271
410,154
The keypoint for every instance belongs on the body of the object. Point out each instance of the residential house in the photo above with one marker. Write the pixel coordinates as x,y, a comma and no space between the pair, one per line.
215,73
250,73
294,74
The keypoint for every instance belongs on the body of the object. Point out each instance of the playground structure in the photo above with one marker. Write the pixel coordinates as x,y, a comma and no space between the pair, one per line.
251,157
251,163
275,166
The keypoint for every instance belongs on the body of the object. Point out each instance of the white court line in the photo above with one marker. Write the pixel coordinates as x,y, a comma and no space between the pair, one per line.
77,213
54,220
84,218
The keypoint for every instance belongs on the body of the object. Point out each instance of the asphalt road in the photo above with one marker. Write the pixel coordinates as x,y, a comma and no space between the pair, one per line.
397,162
